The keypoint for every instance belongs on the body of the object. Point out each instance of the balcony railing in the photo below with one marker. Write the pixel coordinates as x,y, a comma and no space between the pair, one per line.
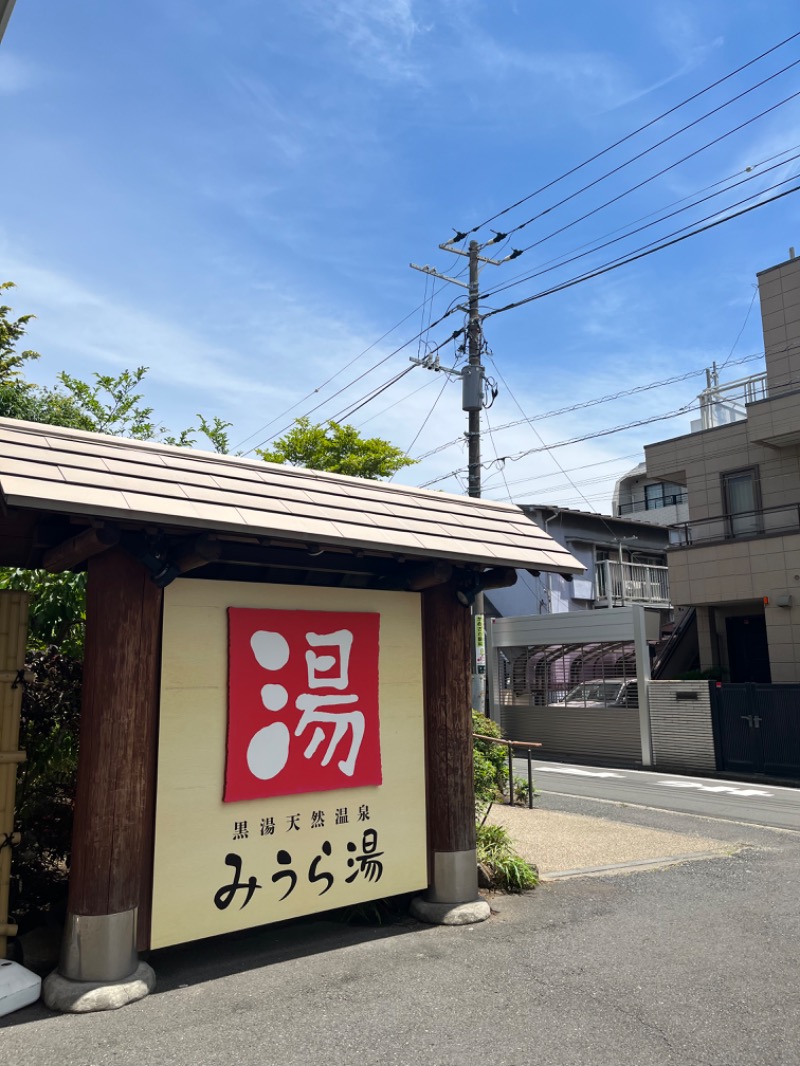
671,500
618,584
743,524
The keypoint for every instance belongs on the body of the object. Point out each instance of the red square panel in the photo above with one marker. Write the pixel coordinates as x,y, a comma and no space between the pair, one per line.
302,702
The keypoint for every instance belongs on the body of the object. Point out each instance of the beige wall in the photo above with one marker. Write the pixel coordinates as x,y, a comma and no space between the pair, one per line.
779,291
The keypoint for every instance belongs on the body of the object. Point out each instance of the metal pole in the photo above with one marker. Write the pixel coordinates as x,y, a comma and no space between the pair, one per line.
621,575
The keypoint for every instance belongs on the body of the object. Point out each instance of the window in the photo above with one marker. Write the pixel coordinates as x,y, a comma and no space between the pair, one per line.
742,501
663,494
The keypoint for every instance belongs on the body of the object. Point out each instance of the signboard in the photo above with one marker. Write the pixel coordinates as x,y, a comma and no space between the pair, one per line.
291,758
316,674
480,644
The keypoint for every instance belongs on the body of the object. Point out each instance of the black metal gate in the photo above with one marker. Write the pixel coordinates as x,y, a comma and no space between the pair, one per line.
757,728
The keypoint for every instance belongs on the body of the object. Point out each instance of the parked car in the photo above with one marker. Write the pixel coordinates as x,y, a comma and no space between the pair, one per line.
602,692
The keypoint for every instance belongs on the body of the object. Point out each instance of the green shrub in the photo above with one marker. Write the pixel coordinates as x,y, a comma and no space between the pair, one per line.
45,785
490,762
496,852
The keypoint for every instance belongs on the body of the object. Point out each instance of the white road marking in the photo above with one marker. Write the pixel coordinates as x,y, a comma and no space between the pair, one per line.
573,770
716,788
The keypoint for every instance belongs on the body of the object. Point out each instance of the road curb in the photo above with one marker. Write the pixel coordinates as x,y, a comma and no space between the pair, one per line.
636,864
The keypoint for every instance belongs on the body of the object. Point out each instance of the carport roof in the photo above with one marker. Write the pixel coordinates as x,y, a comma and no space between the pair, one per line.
73,473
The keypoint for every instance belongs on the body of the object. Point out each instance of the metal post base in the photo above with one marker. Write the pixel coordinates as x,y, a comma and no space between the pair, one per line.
99,947
455,877
453,897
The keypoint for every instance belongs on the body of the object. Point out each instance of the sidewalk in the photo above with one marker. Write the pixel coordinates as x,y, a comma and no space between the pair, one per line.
563,844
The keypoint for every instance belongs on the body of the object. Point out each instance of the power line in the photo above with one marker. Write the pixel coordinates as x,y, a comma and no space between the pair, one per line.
634,133
652,148
595,246
545,447
425,420
625,260
573,440
609,432
361,376
596,401
642,218
347,365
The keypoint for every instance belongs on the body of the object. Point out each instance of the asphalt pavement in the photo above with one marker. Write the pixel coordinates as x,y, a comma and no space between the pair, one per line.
759,802
695,963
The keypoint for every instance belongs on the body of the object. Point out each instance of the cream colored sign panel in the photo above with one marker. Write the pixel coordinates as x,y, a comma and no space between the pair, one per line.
223,866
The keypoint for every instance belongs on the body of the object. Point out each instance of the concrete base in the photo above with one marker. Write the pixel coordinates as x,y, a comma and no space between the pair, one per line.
81,997
476,910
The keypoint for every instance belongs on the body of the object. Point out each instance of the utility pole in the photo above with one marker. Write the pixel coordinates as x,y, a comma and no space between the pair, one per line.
473,392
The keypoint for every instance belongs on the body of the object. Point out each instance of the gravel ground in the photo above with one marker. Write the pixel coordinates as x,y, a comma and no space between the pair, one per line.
556,841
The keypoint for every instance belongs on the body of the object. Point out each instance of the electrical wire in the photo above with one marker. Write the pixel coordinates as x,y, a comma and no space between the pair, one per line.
708,455
674,203
360,377
546,447
501,466
425,420
597,247
652,148
640,254
347,365
572,440
741,331
596,401
634,133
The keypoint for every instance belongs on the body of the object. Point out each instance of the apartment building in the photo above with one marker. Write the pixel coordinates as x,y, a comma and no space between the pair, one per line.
646,499
625,562
737,558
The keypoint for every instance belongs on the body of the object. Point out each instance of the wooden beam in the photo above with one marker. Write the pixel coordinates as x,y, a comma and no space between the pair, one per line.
197,552
79,548
426,575
112,845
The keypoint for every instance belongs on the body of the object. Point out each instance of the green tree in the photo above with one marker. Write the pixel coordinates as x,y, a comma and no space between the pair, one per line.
11,332
339,449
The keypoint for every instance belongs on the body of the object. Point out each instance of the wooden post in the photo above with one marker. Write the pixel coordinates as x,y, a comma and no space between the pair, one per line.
112,844
446,626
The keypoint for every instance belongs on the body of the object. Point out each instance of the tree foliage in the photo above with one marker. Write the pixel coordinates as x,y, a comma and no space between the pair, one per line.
339,449
46,784
11,333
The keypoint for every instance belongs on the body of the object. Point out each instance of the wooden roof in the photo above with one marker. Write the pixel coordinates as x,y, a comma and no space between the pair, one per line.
74,473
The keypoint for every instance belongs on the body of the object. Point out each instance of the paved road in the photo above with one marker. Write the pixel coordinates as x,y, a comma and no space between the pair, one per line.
694,965
758,804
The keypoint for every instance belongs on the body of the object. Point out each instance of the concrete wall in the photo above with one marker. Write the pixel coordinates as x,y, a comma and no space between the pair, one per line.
779,291
680,723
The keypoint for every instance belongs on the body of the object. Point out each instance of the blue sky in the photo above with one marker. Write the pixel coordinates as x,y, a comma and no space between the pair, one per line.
230,194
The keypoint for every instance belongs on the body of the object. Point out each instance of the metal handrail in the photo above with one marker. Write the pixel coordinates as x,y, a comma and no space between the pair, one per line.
511,744
672,500
686,530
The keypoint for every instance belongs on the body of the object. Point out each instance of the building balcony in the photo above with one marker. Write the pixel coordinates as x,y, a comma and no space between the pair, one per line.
658,504
743,525
621,584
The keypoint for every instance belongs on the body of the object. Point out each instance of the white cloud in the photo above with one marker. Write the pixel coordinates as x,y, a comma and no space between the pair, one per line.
17,75
247,362
379,35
